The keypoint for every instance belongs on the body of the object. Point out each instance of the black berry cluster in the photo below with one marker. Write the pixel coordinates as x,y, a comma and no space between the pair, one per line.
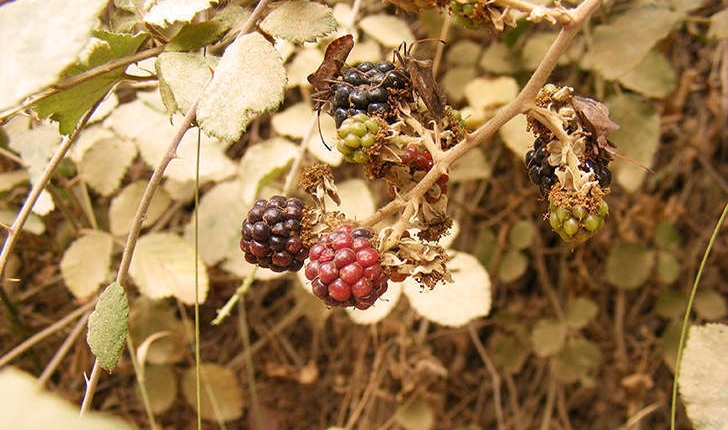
368,88
540,172
599,165
344,268
420,160
271,234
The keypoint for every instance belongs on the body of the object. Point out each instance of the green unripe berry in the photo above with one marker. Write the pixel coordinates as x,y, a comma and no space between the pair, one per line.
372,126
591,222
352,141
359,157
562,213
571,226
367,140
579,212
554,221
603,209
358,129
342,147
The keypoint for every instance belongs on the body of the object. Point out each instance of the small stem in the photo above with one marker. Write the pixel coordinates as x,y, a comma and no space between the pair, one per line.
63,350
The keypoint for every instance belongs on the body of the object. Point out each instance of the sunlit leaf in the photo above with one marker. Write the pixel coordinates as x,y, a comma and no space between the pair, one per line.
452,82
489,93
629,265
652,77
548,337
30,408
719,25
124,206
299,21
388,30
710,305
86,263
196,35
470,167
262,162
107,326
249,80
164,266
454,304
357,201
182,77
295,121
515,136
102,172
581,312
302,65
68,23
704,376
222,397
34,224
415,415
167,12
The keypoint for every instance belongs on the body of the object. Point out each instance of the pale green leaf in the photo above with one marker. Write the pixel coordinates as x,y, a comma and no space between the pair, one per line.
366,50
388,30
464,52
149,128
299,21
415,415
165,12
164,266
637,138
147,320
222,396
219,230
669,341
196,35
522,234
509,353
8,180
513,265
86,263
575,361
262,162
295,121
91,134
534,49
703,380
214,164
710,305
629,265
515,136
316,146
27,407
35,55
452,82
719,25
34,224
454,304
161,384
249,80
666,236
498,58
667,267
581,312
67,106
380,309
670,304
628,38
124,206
548,337
487,248
107,326
181,78
489,93
302,65
357,202
102,172
652,77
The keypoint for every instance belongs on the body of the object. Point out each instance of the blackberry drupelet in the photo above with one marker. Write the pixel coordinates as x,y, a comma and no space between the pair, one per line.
271,234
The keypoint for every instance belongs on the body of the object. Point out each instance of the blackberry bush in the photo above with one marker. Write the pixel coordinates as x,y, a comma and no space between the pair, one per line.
369,89
271,234
344,268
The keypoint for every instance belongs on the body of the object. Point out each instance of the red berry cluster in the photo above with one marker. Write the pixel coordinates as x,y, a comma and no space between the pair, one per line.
271,234
344,269
420,159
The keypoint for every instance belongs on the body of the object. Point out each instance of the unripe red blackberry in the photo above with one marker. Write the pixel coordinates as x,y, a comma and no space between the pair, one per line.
420,159
367,89
271,234
344,269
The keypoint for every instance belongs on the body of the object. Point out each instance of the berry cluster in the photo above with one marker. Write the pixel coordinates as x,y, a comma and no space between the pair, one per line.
474,14
540,172
368,88
356,134
602,174
419,160
577,223
271,234
344,268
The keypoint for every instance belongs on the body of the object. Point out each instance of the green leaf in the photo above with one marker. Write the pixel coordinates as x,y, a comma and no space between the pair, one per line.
416,415
124,206
161,384
667,267
548,337
299,21
388,30
262,162
637,138
452,82
512,266
666,236
669,340
454,304
487,248
222,397
629,265
196,35
86,263
107,326
710,305
670,304
515,136
491,93
652,77
30,63
163,266
182,77
167,12
34,224
521,234
704,377
67,106
509,353
628,38
719,25
27,407
104,173
581,312
249,80
472,166
573,363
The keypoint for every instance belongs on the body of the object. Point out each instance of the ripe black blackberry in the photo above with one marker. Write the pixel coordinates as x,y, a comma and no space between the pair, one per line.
271,234
368,88
344,269
540,172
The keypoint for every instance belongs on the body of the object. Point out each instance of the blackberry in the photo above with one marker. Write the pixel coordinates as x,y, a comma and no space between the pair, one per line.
368,88
344,269
355,135
271,234
540,171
